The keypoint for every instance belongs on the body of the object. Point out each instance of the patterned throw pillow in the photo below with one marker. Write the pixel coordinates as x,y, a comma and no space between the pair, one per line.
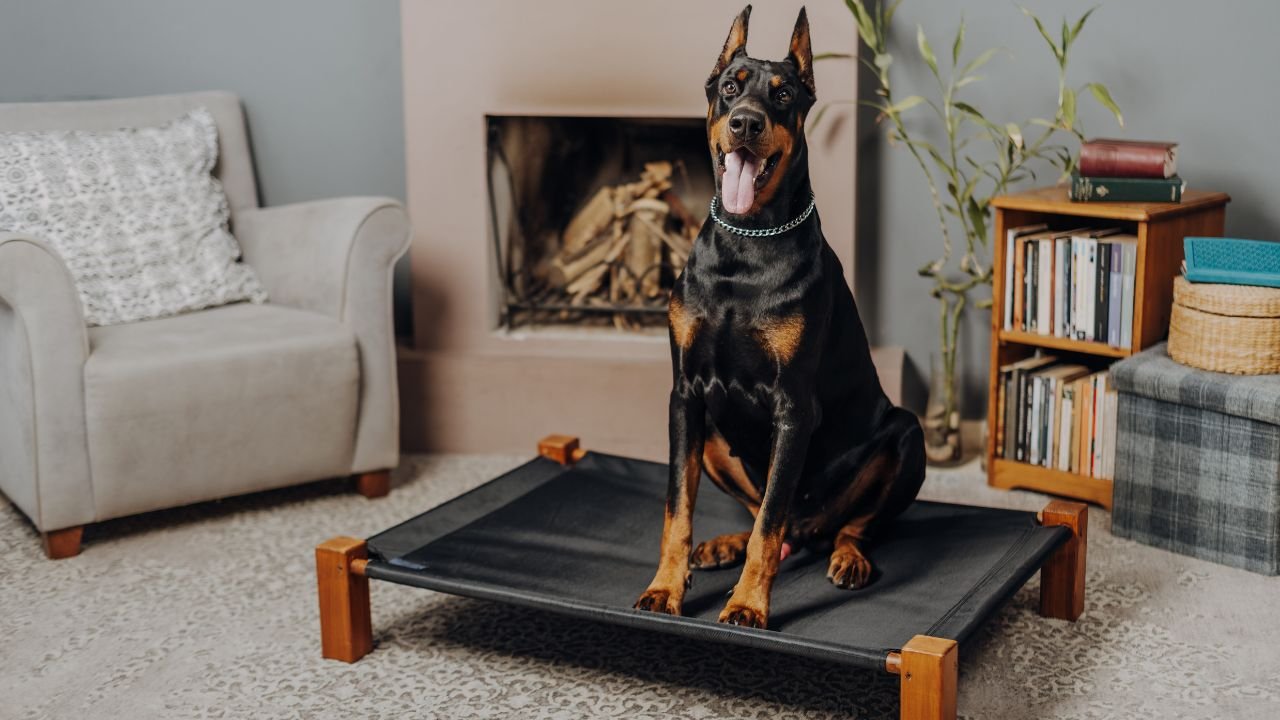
136,214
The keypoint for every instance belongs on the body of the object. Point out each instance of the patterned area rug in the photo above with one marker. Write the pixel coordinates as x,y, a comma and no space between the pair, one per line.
210,612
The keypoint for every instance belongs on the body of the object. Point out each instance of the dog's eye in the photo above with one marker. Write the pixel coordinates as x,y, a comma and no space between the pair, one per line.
783,97
729,88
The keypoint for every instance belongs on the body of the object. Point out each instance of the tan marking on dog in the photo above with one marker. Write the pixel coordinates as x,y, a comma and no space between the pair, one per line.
728,473
781,338
743,74
775,81
684,327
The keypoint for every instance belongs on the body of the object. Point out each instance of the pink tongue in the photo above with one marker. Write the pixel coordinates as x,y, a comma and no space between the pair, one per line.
785,552
737,187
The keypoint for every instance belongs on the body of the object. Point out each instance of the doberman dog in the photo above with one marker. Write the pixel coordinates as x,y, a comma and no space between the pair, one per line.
774,392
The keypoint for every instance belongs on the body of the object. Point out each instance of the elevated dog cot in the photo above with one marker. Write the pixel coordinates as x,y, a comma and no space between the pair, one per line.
577,533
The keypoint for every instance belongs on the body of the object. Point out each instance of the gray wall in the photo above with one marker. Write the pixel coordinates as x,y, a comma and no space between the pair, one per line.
1203,74
320,79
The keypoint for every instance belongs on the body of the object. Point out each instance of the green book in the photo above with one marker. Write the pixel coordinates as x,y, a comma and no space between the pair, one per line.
1104,189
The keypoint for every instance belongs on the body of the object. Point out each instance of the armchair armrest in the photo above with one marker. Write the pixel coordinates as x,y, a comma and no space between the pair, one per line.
43,348
337,257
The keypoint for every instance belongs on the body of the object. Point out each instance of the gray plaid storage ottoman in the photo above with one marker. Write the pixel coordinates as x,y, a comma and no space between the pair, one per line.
1198,461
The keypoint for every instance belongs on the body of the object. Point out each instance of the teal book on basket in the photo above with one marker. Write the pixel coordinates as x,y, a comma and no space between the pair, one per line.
1109,189
1232,261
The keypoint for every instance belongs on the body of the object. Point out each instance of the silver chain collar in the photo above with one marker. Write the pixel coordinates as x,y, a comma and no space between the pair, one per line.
765,232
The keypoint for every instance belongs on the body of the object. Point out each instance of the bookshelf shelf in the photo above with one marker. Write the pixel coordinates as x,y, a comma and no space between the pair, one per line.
1058,343
1160,228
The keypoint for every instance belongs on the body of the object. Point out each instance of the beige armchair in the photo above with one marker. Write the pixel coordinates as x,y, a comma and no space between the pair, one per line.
102,422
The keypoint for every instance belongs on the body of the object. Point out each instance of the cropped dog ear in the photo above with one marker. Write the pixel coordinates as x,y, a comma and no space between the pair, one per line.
801,52
733,45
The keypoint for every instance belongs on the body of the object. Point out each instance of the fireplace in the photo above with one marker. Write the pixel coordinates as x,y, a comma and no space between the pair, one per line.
593,217
478,376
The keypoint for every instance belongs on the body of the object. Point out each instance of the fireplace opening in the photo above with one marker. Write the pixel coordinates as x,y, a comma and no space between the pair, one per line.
593,217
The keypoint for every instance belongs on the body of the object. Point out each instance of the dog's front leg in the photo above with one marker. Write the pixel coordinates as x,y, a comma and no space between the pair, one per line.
749,604
687,429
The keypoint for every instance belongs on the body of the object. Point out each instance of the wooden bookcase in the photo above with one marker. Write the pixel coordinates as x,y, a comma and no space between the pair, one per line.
1160,228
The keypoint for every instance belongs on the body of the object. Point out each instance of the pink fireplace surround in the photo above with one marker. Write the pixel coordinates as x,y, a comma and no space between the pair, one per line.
468,386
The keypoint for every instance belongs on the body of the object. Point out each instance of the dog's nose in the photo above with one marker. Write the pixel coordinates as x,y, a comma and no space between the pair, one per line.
746,125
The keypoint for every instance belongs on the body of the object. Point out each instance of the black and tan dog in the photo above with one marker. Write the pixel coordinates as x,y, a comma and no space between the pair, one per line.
775,396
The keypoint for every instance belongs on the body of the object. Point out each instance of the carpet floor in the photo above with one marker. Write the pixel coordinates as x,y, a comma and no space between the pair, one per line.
210,612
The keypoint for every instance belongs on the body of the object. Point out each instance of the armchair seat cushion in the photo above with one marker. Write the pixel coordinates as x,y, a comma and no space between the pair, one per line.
217,403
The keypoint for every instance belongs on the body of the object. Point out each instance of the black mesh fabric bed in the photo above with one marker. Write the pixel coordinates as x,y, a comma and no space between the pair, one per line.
578,533
582,539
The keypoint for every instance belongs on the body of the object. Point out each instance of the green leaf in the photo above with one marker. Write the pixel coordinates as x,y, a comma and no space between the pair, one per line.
866,26
883,60
959,42
1068,108
833,56
1075,31
926,51
968,80
984,304
1066,36
1045,34
1103,96
889,11
1044,123
817,117
978,218
979,61
1015,134
903,105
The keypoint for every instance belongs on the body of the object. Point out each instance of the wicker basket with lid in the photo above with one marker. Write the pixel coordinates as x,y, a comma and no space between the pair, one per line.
1225,328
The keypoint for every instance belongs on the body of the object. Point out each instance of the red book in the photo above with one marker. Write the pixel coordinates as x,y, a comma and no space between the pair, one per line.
1128,158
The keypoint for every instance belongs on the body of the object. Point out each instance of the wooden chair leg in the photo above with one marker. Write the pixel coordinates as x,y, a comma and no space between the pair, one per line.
374,484
346,627
927,668
65,543
1062,577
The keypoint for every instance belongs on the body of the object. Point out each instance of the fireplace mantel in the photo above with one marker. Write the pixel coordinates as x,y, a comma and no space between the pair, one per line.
468,386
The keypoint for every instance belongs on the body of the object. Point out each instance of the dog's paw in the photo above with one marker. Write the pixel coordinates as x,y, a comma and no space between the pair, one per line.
744,615
721,552
659,600
849,569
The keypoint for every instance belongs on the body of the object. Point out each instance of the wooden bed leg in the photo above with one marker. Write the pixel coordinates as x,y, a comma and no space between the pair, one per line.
561,448
346,628
927,670
61,544
374,484
1062,577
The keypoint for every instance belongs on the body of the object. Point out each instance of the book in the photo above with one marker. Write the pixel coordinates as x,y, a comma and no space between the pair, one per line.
1104,157
1097,189
1020,285
1044,278
1113,294
1077,403
1061,286
1016,402
1011,238
1101,302
1033,293
1129,262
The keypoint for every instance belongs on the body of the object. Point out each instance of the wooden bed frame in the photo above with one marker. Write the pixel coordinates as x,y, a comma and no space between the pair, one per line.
927,667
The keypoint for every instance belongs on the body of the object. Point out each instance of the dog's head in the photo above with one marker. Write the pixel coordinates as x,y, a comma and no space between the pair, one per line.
755,118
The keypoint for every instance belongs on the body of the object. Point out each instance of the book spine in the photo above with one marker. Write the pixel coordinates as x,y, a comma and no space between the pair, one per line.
1103,284
1134,161
1033,456
1064,425
1077,406
1094,189
1019,412
1033,287
1126,313
1064,289
1089,296
1114,273
1010,238
1010,417
1020,289
1051,423
1075,288
1045,302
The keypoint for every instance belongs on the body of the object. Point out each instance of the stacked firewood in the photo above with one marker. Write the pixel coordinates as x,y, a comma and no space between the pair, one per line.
624,244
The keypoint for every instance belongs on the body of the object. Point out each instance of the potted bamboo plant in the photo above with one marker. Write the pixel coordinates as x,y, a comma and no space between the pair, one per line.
973,159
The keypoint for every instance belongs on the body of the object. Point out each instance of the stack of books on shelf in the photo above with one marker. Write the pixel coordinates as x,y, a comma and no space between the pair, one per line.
1076,284
1057,415
1127,171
